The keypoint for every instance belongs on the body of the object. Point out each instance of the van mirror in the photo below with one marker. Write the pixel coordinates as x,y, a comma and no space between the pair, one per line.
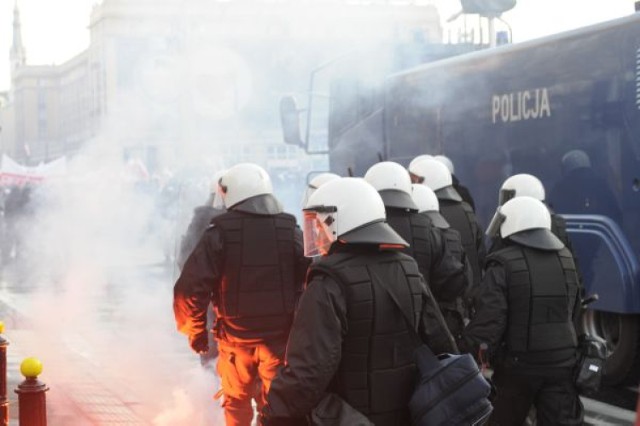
290,120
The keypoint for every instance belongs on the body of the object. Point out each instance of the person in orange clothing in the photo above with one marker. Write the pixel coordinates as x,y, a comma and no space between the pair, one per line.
250,265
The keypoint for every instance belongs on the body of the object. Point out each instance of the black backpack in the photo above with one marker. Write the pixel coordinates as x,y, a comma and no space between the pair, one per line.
451,391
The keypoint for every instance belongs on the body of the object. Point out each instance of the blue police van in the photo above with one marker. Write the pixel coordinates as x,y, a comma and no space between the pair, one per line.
565,108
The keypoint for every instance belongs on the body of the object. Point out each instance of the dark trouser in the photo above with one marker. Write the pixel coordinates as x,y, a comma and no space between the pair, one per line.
241,368
553,394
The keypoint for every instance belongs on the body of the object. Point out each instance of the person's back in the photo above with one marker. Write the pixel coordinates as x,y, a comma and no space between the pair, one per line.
350,336
457,213
361,272
461,218
250,265
261,280
451,282
426,245
526,312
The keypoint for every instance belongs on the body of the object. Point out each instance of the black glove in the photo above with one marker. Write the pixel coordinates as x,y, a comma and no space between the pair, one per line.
199,342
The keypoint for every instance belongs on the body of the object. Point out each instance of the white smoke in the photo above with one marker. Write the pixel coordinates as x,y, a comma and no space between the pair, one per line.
99,250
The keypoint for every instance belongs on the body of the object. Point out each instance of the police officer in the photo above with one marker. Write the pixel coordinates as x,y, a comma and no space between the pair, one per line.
250,264
452,296
524,314
458,213
349,336
460,189
316,183
528,185
440,268
202,216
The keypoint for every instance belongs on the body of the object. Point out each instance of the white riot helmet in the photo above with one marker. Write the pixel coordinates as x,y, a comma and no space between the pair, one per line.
316,183
348,209
428,204
527,221
446,161
521,185
242,182
393,183
418,159
436,176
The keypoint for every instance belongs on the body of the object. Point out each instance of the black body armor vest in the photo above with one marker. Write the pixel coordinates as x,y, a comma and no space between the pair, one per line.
453,242
258,290
415,229
542,294
461,218
377,373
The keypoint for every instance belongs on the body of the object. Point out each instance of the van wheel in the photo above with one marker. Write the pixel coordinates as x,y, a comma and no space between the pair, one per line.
620,334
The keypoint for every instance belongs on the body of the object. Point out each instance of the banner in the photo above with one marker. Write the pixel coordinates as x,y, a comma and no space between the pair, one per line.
13,173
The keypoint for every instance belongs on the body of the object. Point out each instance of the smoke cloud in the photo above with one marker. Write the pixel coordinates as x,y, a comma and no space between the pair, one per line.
194,92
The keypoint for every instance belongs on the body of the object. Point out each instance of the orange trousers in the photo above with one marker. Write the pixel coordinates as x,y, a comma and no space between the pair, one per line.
246,372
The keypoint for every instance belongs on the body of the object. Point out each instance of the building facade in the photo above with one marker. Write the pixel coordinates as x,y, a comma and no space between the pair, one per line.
171,82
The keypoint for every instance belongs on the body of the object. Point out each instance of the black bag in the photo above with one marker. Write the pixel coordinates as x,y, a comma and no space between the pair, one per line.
451,391
593,354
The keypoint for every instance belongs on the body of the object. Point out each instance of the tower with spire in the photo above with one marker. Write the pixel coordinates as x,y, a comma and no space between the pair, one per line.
17,55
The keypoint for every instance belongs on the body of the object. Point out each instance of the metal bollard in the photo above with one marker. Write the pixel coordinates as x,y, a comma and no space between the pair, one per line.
32,403
4,401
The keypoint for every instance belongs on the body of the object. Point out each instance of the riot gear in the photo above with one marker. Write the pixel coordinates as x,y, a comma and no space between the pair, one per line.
344,306
457,213
521,185
348,209
250,265
447,162
316,183
393,183
528,304
418,159
428,204
242,182
436,176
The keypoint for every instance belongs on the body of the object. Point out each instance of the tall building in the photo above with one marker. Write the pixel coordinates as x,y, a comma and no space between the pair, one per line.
170,80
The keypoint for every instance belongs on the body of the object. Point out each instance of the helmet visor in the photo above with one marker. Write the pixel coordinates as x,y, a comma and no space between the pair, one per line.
493,230
319,232
506,195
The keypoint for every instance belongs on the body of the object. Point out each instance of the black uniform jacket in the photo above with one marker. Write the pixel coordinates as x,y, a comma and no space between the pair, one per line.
315,347
203,270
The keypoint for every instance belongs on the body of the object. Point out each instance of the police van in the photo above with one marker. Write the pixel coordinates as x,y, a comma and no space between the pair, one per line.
565,108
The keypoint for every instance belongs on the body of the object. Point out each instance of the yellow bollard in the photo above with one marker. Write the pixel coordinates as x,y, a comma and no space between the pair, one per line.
32,403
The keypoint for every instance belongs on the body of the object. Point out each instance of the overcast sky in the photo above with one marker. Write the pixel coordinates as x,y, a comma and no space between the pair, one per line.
54,31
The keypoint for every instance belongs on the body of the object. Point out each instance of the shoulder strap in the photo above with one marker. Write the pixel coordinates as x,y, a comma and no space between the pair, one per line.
426,359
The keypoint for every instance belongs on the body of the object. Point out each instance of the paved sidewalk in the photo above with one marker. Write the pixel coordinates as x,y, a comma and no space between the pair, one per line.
119,363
